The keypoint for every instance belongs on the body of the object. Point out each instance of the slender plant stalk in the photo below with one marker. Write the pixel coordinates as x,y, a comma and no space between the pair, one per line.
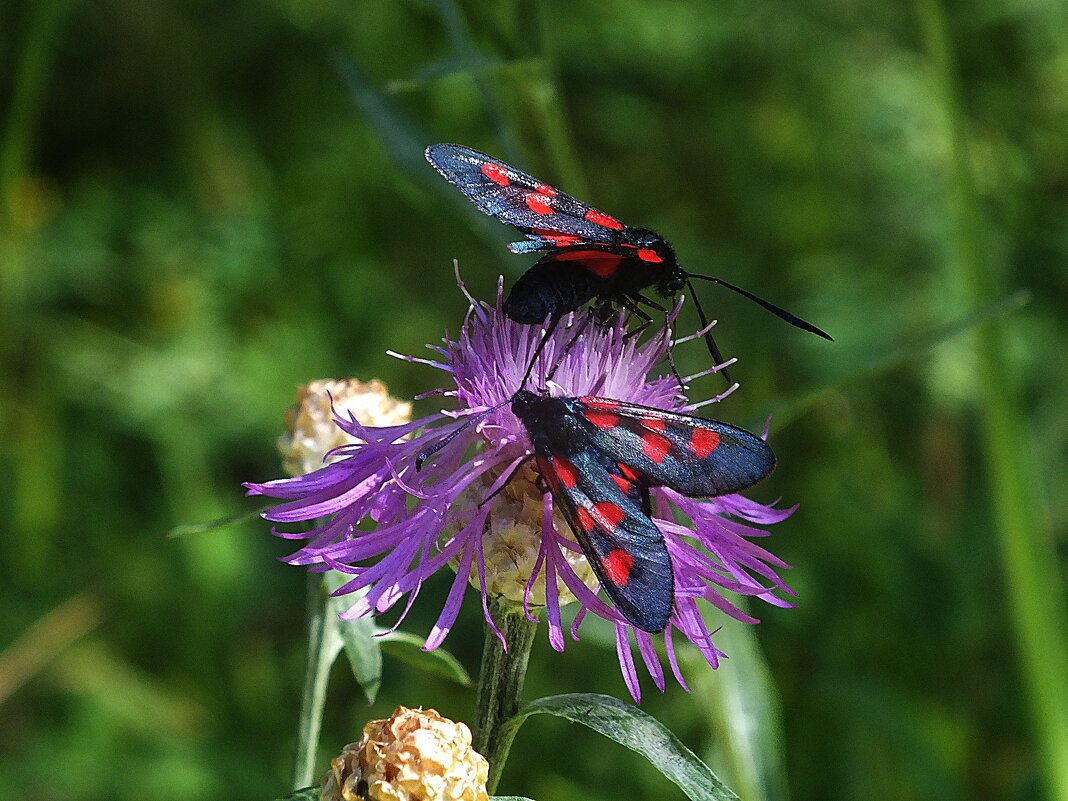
500,683
324,644
1032,585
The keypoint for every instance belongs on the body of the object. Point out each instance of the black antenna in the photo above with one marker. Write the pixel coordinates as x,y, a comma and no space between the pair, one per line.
713,348
424,455
782,314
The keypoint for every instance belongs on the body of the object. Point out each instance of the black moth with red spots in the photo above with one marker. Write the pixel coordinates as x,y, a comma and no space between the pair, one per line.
589,255
599,457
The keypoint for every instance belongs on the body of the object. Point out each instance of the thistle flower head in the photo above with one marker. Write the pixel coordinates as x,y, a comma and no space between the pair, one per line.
516,545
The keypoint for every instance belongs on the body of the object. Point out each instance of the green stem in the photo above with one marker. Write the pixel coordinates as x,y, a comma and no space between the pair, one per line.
324,644
31,75
500,683
1034,591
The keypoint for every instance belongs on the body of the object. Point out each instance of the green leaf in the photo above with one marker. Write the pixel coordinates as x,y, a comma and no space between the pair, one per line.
185,529
630,727
409,649
357,638
307,794
741,704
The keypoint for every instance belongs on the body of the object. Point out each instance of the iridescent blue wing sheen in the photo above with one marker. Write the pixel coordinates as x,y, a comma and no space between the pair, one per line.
609,514
691,455
550,218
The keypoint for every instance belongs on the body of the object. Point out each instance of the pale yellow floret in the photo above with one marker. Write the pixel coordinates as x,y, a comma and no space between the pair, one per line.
512,540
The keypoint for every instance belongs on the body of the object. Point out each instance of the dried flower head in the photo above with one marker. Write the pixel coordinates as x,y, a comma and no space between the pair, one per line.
311,432
414,755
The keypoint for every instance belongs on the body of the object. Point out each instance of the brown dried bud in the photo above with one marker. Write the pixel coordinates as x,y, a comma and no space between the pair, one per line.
415,755
311,432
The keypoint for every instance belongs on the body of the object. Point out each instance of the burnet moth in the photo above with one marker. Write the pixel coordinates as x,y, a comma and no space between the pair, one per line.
599,458
588,255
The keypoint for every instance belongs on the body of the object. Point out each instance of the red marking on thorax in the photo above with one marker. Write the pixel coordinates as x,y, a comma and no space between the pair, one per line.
617,566
599,262
608,514
600,218
566,470
496,173
649,255
656,446
539,204
703,442
606,421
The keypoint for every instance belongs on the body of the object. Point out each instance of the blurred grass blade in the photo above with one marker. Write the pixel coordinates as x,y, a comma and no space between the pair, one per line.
357,638
453,67
403,142
185,529
409,649
45,639
1033,584
509,798
634,729
792,408
452,17
741,703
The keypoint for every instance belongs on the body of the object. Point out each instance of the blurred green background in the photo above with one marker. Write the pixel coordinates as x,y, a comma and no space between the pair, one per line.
208,204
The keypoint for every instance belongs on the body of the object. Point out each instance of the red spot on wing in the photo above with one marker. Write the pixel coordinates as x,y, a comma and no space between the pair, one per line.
617,566
628,472
600,218
537,203
703,441
561,240
605,421
600,403
545,467
623,483
649,255
656,446
608,515
566,471
545,189
496,173
653,423
585,520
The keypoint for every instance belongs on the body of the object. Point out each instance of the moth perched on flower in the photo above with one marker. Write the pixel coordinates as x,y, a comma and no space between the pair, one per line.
425,519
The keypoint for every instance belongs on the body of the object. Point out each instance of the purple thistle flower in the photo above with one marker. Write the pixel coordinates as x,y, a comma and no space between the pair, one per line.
425,520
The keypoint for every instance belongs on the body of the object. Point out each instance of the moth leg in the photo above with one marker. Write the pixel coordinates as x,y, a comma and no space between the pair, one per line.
633,307
567,347
541,345
637,297
508,481
670,353
603,311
